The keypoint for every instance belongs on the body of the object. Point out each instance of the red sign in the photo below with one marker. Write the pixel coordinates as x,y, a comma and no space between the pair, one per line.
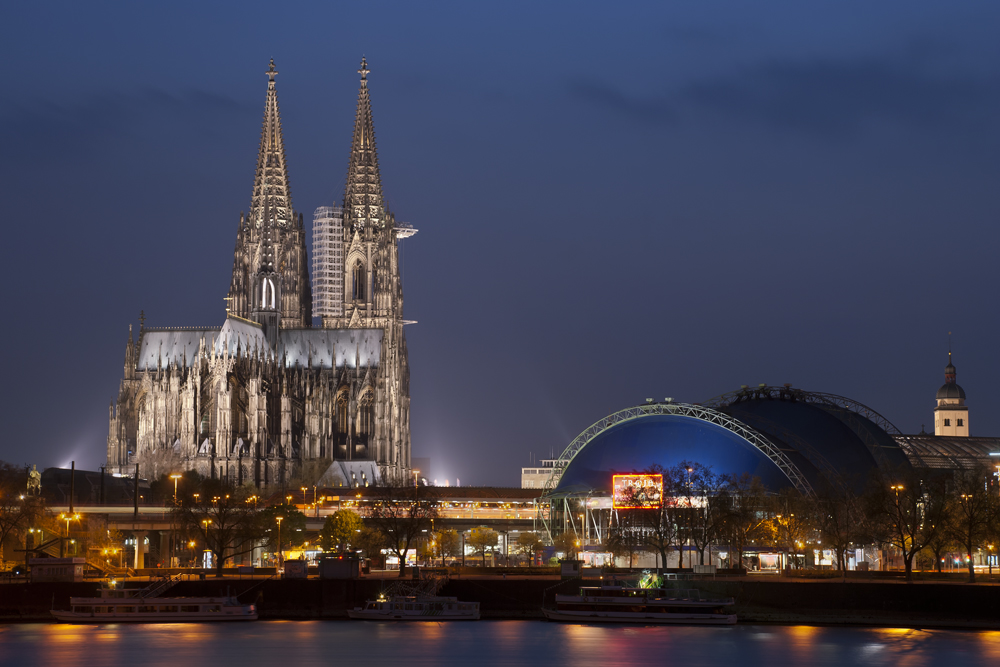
637,492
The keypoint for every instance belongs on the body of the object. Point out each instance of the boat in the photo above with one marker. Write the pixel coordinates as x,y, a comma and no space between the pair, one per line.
622,604
416,608
117,605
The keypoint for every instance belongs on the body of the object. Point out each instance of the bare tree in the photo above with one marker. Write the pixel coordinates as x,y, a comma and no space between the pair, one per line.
746,517
837,512
625,536
791,521
972,505
708,512
401,513
915,509
223,518
17,508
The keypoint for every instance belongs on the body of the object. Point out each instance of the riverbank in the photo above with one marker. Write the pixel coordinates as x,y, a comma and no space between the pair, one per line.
789,602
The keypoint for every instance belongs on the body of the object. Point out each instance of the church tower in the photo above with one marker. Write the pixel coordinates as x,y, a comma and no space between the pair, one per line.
951,416
270,240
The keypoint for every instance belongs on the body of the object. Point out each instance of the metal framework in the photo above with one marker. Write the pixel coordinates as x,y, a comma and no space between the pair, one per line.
704,413
710,415
847,407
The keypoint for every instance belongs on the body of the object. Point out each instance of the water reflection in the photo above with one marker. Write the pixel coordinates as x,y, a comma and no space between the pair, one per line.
303,643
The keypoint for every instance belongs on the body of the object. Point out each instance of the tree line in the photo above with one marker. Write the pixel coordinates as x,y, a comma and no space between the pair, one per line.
918,514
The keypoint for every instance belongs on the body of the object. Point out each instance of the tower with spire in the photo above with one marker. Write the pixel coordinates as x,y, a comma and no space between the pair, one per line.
270,283
951,416
267,398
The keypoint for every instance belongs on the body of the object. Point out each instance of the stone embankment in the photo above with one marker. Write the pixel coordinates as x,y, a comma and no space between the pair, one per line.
924,604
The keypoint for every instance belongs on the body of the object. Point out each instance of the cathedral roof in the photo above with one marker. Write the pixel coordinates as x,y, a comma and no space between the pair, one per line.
163,346
316,348
240,334
363,194
329,348
272,196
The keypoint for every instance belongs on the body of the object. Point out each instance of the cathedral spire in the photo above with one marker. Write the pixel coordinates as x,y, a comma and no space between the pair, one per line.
363,194
270,186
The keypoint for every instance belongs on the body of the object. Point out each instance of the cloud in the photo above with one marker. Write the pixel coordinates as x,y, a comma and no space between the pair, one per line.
834,97
43,127
656,110
826,97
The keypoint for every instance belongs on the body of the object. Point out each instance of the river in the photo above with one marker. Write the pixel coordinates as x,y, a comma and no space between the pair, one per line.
522,643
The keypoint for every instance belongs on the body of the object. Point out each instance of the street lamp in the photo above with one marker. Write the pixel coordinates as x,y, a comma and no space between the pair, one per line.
175,477
279,520
67,518
415,474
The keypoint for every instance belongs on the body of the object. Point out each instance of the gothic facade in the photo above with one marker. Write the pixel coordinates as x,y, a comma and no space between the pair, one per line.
267,398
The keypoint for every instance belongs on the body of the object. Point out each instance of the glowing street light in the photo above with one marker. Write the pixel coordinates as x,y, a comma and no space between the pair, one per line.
279,519
175,477
67,518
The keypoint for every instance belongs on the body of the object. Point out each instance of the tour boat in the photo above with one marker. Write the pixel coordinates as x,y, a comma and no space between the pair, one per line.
621,604
416,608
145,606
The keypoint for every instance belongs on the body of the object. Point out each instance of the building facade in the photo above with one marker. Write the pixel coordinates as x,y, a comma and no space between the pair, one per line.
266,398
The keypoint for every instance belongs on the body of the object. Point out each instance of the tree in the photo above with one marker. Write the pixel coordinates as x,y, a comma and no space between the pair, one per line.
624,537
450,544
791,521
401,513
481,539
293,524
745,515
914,507
340,529
528,544
837,512
17,508
223,521
658,528
972,507
371,542
708,516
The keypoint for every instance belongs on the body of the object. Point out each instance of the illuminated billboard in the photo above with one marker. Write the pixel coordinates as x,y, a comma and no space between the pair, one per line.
637,491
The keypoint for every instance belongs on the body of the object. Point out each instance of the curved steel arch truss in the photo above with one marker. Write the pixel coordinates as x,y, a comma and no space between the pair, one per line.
710,415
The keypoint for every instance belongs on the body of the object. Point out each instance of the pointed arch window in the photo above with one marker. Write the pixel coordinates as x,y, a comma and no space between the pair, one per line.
343,423
358,281
366,414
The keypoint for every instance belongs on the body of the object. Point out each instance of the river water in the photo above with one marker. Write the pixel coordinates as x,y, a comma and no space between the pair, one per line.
522,643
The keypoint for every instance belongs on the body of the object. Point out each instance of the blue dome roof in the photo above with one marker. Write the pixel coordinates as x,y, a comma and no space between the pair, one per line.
667,440
823,439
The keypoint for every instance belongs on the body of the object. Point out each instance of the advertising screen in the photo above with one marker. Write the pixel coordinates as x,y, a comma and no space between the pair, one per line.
637,491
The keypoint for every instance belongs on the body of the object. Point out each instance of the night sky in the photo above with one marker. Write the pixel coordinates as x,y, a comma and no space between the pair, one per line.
615,201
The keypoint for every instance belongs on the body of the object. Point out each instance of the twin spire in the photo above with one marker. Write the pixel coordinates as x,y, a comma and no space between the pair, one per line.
272,197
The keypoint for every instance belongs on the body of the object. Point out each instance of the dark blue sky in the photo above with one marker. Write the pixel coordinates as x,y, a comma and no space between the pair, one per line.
614,201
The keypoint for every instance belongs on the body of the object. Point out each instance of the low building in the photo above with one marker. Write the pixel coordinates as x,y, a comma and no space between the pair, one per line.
536,477
56,569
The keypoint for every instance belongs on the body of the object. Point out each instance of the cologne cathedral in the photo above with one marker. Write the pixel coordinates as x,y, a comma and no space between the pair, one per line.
266,398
